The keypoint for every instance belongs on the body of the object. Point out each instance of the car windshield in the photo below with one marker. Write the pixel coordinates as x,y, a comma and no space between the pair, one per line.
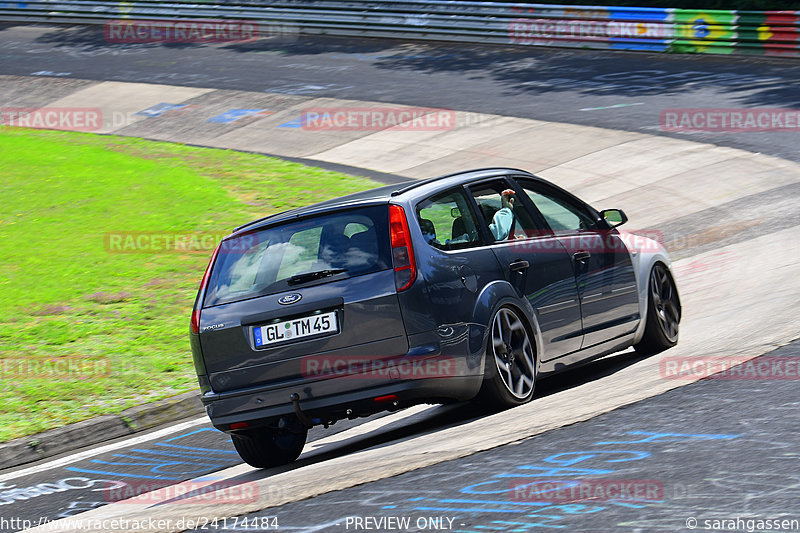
313,250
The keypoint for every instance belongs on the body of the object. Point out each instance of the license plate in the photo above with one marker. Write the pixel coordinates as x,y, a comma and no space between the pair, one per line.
297,328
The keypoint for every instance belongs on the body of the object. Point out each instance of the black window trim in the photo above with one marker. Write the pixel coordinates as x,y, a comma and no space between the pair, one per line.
562,194
534,213
460,189
276,224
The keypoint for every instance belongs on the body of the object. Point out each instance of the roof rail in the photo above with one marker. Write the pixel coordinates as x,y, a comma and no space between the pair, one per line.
431,180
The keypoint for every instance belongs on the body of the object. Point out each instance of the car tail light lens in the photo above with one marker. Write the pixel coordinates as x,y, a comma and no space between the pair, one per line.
405,271
195,323
387,398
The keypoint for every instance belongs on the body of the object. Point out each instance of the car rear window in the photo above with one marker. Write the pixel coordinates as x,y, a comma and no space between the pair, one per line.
305,252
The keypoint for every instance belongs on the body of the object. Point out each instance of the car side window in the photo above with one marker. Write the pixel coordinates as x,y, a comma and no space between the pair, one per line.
447,222
561,214
504,215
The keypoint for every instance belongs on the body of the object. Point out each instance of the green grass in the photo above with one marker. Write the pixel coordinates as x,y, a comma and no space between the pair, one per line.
64,295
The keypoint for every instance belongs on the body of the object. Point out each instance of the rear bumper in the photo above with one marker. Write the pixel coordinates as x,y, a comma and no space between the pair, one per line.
438,368
335,398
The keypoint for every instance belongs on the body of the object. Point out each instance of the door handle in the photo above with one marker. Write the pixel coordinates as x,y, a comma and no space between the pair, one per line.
519,265
581,256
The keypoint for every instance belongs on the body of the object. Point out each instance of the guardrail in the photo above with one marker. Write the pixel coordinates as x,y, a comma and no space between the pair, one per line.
625,28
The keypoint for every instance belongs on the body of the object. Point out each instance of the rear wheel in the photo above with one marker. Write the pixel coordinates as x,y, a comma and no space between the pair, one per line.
268,447
510,367
663,313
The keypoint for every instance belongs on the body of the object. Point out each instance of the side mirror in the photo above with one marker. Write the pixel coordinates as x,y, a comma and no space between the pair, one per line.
614,217
455,212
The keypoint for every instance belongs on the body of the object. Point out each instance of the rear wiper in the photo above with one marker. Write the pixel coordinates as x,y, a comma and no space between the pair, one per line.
317,274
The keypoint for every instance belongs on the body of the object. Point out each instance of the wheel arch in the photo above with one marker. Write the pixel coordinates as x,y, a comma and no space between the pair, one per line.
494,296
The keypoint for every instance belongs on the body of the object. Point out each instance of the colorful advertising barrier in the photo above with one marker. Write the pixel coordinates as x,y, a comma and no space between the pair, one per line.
774,33
612,27
660,30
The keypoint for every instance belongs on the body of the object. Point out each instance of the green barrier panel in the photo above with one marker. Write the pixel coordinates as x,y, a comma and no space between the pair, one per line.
769,33
704,31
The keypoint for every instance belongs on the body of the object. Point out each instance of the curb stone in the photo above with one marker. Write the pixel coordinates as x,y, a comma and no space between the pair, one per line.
103,428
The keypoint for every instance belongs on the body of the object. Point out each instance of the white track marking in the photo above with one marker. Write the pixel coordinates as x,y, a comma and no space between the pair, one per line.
75,457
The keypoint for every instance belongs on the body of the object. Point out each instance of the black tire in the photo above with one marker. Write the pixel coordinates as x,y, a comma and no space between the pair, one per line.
265,448
509,374
663,313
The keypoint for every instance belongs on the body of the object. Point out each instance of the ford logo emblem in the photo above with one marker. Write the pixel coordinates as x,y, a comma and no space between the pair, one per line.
287,299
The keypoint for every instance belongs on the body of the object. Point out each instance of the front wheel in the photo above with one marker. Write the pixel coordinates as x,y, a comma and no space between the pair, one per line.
268,447
663,313
510,366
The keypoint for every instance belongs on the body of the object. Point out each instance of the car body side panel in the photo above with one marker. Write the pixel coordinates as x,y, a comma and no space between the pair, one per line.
548,284
493,296
606,285
645,253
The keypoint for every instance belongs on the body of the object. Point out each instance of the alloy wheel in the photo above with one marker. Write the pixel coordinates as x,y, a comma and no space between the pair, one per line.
513,353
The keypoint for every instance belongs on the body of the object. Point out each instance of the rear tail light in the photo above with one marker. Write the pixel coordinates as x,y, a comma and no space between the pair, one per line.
198,303
387,398
405,271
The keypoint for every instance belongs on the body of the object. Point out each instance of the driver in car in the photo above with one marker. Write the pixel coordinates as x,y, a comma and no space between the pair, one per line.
504,218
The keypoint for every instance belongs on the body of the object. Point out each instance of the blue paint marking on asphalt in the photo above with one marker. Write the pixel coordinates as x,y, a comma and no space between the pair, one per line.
159,109
195,432
235,114
195,448
674,437
556,465
456,500
195,460
168,454
527,525
469,510
296,123
210,477
170,450
584,455
109,473
156,463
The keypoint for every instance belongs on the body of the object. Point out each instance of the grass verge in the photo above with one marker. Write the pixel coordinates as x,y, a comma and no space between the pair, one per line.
84,329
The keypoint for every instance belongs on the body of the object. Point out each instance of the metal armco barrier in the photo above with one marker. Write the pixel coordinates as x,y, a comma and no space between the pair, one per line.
622,28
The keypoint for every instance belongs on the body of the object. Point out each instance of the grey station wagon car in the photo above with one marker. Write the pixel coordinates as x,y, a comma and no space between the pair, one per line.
469,286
